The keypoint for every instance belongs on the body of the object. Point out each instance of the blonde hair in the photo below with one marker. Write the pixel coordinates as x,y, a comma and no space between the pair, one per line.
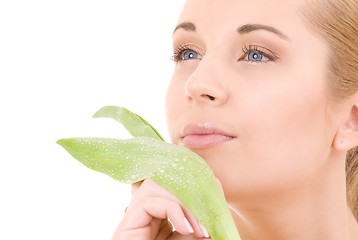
336,22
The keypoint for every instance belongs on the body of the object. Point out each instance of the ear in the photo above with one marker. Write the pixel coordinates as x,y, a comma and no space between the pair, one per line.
347,135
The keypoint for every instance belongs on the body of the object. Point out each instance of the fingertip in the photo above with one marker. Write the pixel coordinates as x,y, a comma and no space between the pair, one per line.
204,231
188,226
220,185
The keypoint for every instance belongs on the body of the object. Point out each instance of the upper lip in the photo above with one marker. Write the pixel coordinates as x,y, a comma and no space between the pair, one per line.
203,129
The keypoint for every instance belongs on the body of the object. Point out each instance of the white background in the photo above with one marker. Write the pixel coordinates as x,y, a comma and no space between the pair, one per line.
60,61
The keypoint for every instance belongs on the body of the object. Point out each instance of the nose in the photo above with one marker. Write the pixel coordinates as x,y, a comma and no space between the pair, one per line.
206,85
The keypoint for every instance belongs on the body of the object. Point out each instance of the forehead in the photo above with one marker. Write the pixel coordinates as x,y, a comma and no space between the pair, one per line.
224,15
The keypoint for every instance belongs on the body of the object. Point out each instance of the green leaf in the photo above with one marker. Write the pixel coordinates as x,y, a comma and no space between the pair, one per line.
179,170
135,124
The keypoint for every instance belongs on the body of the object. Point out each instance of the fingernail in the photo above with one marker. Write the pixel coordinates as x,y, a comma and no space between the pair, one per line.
206,234
188,226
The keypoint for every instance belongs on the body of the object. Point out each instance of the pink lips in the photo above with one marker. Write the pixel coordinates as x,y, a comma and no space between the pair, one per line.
203,136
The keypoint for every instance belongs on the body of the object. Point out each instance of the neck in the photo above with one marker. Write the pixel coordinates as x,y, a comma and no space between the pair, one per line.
315,210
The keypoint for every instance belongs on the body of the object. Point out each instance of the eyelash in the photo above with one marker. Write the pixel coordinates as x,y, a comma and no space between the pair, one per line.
178,53
264,51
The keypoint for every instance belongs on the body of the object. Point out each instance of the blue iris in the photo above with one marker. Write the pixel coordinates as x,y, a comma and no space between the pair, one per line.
255,56
188,55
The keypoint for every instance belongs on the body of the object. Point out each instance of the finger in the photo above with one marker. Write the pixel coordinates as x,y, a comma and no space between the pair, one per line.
220,185
135,187
150,187
165,230
140,216
199,229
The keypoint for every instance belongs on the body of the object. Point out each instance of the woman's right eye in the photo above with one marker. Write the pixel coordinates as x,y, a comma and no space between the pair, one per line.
184,53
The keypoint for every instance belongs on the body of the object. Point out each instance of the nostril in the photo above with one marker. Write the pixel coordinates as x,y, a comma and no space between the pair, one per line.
210,97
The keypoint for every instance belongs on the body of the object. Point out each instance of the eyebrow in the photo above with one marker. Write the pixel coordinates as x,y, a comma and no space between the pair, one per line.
186,26
247,28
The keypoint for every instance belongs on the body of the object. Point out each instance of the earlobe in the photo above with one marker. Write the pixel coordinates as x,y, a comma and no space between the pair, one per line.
347,135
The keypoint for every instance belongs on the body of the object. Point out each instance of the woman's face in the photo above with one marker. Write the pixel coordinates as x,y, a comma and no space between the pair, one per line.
249,93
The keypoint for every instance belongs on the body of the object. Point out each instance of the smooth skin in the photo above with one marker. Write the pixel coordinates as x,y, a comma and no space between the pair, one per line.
147,214
283,170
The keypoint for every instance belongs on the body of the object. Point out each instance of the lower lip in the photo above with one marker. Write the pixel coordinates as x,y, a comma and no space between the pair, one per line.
204,140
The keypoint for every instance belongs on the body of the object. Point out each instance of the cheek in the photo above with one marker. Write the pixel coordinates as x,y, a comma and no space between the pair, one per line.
287,125
174,100
282,139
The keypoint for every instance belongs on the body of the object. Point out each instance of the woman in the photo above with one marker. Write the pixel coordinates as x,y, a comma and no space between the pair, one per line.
265,92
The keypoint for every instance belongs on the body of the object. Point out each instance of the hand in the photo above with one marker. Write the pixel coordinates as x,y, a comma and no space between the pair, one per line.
147,215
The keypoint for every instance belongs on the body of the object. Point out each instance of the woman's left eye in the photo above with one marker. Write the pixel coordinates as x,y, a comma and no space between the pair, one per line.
257,54
256,57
